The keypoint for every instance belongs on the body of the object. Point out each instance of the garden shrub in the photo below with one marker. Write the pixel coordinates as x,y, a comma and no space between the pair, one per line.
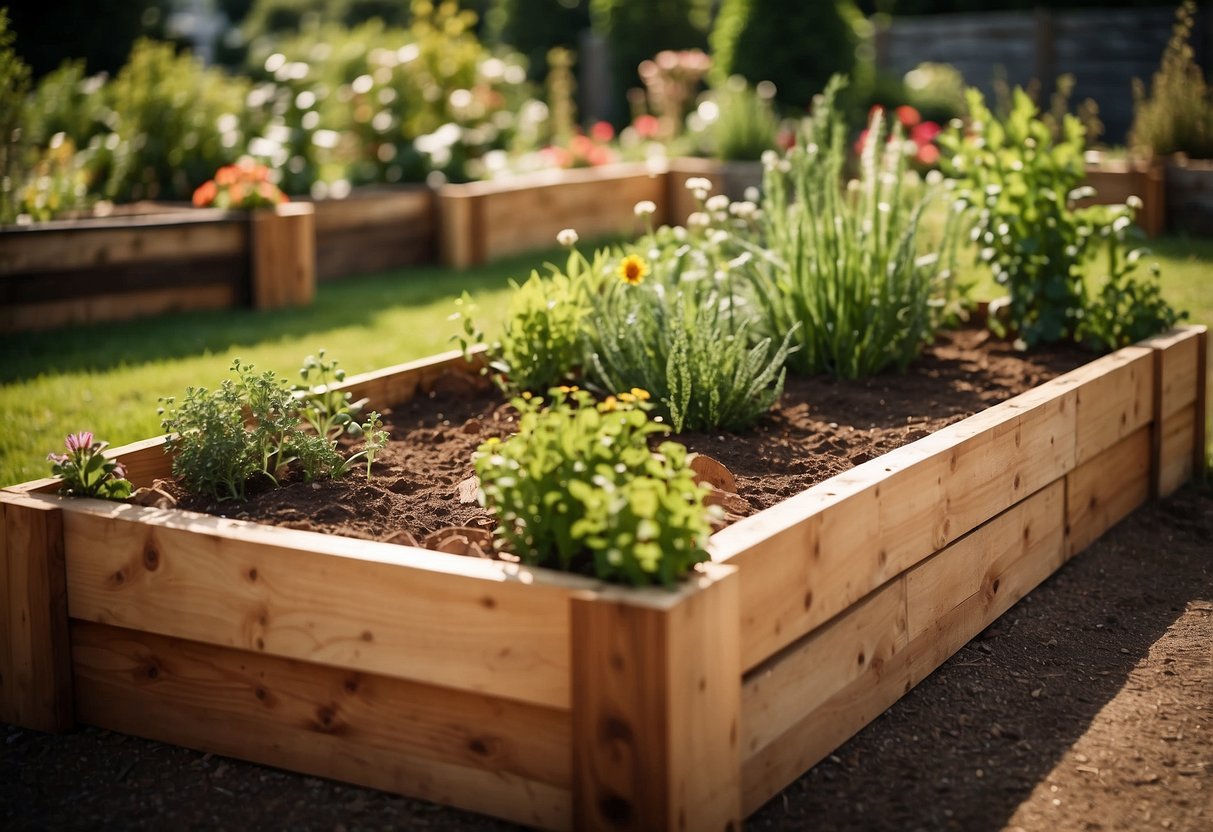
1018,185
577,488
169,115
1177,115
14,84
755,38
845,267
746,125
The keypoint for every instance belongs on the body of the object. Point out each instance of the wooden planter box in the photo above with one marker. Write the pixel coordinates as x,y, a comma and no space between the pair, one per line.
482,221
1115,180
374,230
101,270
1190,196
552,700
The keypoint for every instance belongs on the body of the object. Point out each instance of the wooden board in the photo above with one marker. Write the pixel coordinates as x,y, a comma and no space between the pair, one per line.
1178,451
809,558
82,244
656,707
1103,491
1009,574
35,654
1177,371
283,256
1116,400
466,750
407,613
29,317
397,385
374,231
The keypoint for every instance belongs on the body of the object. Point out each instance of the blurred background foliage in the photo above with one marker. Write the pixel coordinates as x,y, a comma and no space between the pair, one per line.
334,94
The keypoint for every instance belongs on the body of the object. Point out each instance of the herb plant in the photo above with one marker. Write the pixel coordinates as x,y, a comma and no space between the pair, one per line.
1017,185
1177,114
682,336
329,411
250,429
578,489
842,269
86,472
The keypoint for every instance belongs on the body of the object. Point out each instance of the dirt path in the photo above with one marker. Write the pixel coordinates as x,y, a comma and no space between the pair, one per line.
1088,706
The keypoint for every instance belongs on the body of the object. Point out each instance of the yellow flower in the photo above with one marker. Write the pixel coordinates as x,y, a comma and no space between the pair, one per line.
627,397
608,404
641,394
633,269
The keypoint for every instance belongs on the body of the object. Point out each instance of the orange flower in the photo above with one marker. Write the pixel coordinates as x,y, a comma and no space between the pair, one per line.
227,175
205,194
236,195
633,269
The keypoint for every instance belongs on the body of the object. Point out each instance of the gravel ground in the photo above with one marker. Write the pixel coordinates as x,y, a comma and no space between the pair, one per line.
1088,706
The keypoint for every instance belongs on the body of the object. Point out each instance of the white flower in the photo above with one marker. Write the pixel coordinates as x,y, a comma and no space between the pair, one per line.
567,237
769,158
1134,202
645,208
720,202
698,220
699,183
752,194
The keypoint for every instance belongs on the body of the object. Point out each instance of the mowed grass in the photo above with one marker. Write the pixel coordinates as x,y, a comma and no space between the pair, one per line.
109,379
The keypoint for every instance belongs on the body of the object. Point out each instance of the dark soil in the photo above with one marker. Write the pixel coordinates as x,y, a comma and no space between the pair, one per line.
1088,706
821,427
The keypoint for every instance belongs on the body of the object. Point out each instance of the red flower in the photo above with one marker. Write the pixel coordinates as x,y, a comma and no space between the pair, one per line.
928,155
908,116
647,126
602,131
925,132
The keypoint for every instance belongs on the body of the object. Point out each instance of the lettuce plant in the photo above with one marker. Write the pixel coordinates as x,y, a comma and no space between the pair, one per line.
577,488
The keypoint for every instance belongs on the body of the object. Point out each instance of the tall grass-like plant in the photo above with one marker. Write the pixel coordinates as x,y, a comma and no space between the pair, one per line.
746,125
1177,115
841,267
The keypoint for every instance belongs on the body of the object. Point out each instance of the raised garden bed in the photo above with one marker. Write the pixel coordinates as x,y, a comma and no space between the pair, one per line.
553,700
100,270
1115,180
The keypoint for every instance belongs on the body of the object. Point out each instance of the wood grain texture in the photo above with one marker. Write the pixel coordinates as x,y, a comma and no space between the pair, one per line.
1116,400
466,750
1009,574
809,558
1103,491
807,674
50,314
374,231
81,244
656,702
35,678
402,612
1178,450
1178,357
283,255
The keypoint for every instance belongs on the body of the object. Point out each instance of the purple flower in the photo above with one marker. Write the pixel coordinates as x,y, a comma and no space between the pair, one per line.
81,441
58,459
119,471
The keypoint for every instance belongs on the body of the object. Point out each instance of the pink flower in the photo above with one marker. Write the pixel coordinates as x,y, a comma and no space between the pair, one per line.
925,132
928,154
602,131
58,459
647,126
79,441
120,470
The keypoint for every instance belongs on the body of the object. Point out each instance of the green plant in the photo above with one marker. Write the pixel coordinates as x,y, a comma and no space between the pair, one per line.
751,38
1017,185
541,342
174,123
682,337
1177,115
58,182
14,82
328,410
745,126
845,266
374,439
247,429
577,488
86,472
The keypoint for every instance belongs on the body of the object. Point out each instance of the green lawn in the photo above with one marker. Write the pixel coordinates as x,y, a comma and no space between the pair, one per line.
108,378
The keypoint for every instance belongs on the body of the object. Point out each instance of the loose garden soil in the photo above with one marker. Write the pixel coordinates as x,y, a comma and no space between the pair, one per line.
822,426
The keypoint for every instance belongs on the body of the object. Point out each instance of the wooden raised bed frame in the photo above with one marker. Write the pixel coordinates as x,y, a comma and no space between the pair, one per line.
552,700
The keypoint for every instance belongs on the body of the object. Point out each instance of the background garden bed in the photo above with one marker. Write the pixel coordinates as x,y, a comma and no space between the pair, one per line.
208,632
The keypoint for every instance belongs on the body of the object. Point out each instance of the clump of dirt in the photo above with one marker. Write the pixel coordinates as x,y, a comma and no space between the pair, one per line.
821,426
